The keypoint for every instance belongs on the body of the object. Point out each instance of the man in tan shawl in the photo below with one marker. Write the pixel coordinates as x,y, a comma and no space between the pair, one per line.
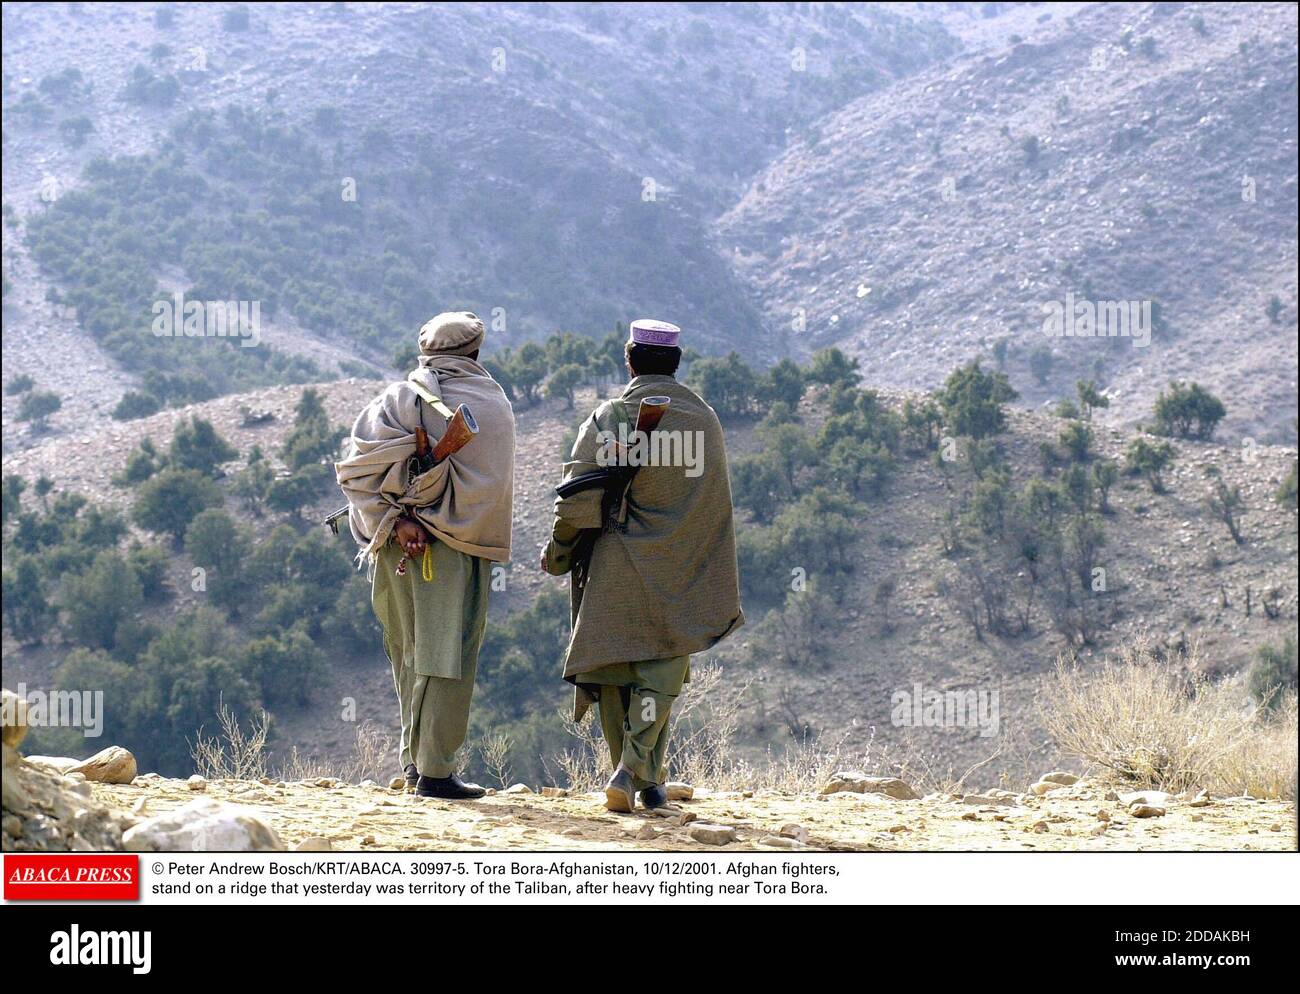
654,570
429,539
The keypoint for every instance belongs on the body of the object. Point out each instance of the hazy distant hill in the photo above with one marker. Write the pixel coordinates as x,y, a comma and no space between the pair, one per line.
1114,155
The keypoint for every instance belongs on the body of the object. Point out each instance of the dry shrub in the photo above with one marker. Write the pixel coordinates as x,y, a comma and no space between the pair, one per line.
371,759
1146,721
236,753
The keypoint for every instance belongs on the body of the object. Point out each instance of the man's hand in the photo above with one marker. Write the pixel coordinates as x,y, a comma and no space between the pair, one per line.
542,561
411,536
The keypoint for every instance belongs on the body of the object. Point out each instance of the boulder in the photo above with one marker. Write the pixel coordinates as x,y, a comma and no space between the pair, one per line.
111,765
203,825
518,788
197,783
859,783
314,844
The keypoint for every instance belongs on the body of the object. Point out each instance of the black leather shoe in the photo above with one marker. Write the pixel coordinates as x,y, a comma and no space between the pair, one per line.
412,775
451,788
619,795
654,797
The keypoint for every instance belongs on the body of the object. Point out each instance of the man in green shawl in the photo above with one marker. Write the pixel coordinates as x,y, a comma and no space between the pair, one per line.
653,566
430,536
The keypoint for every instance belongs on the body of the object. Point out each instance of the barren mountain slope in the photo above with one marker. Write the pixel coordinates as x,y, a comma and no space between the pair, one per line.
1132,152
500,115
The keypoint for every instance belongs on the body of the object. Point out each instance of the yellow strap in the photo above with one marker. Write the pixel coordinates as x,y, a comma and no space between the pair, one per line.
426,565
430,398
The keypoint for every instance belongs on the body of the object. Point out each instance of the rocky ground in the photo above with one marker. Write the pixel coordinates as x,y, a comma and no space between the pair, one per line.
853,813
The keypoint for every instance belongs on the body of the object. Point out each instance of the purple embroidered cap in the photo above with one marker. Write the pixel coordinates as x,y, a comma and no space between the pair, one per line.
645,331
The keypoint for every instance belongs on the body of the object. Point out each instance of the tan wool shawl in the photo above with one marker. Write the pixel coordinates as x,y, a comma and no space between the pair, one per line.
467,499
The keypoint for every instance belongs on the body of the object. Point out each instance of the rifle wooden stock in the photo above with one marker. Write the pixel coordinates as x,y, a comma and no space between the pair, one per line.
460,430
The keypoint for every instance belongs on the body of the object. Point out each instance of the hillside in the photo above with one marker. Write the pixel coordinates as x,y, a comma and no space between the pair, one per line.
503,159
1128,152
1174,575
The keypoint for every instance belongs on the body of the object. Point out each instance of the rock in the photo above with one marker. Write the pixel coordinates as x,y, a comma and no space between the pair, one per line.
793,831
197,782
1146,811
1044,787
675,814
314,844
858,783
1155,798
712,835
111,765
1100,828
678,791
203,825
1041,826
397,783
647,831
58,765
554,792
368,783
518,788
781,842
13,719
992,798
1059,777
1201,800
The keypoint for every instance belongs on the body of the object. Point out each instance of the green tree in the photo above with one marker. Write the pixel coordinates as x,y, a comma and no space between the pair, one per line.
196,445
37,406
785,383
169,501
1187,411
563,382
1149,460
831,367
219,546
1273,674
972,401
99,599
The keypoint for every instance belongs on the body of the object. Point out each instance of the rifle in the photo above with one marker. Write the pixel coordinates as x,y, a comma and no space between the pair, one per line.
615,481
461,428
648,416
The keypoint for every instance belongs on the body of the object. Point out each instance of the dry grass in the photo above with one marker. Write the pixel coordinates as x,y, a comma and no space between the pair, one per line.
702,749
371,760
1144,721
235,753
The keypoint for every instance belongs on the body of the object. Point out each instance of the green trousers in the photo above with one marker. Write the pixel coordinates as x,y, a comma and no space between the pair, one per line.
432,633
636,700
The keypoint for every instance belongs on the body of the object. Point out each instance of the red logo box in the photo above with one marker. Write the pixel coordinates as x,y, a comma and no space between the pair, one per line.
72,877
